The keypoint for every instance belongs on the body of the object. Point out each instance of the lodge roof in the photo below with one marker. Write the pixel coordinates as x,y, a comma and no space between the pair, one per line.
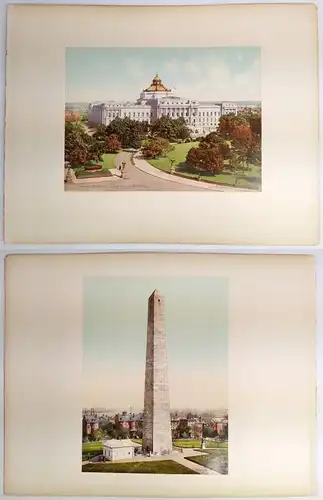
120,443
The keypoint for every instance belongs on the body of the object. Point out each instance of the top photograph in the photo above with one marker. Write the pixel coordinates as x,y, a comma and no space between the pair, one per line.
163,119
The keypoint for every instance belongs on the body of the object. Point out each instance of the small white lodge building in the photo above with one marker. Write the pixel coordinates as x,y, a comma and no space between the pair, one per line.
119,449
202,117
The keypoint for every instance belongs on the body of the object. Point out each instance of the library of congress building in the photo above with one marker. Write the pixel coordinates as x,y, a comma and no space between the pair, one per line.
202,117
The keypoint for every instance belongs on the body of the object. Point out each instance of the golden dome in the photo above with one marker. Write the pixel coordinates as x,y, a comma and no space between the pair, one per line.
157,85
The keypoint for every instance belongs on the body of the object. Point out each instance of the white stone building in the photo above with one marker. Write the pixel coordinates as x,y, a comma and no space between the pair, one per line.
119,449
157,100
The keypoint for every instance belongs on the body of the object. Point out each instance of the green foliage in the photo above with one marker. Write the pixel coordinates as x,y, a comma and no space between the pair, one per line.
234,147
253,117
80,147
213,140
100,133
173,130
129,132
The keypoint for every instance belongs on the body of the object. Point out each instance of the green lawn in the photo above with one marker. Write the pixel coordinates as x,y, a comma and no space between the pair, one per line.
216,460
192,443
92,446
108,162
181,443
153,467
178,154
251,178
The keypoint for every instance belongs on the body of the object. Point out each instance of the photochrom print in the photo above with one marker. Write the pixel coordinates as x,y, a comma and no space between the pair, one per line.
163,119
155,392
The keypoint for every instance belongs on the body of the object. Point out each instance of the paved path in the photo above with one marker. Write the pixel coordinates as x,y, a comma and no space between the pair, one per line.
145,178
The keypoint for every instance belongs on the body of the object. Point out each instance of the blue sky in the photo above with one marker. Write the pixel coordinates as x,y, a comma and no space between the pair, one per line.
216,73
114,340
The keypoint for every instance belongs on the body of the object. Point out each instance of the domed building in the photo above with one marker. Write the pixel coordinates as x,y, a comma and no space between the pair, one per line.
157,100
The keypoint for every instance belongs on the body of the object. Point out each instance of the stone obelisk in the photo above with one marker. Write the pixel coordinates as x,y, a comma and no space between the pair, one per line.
157,434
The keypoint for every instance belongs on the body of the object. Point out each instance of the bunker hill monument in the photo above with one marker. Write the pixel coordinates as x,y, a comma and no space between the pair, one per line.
157,434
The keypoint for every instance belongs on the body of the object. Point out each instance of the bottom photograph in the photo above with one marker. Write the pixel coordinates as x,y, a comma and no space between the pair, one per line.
145,375
155,375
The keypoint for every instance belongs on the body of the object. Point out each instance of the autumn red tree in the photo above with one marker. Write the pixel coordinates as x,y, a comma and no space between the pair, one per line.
228,123
205,160
113,144
155,147
241,134
72,116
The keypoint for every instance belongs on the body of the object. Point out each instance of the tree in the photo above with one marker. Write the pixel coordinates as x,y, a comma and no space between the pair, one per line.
205,160
213,140
241,134
96,150
80,147
139,433
113,145
254,151
208,432
76,145
108,428
98,434
130,132
155,147
197,431
72,116
253,117
122,433
242,148
100,133
173,130
228,123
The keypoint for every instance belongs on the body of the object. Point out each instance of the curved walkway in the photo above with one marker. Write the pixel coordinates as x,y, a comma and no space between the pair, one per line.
134,180
143,177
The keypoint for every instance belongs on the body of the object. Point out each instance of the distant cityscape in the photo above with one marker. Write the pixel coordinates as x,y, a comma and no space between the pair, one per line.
98,422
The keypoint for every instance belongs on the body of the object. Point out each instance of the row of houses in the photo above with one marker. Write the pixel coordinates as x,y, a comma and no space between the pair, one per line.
191,426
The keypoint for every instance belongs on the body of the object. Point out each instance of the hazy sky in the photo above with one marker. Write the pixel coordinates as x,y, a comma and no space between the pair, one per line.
114,342
216,73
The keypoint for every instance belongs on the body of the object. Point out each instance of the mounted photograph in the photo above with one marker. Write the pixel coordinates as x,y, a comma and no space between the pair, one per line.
163,119
155,375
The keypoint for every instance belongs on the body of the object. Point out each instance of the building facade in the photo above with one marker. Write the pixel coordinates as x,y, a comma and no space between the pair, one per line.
118,449
156,101
129,421
90,424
